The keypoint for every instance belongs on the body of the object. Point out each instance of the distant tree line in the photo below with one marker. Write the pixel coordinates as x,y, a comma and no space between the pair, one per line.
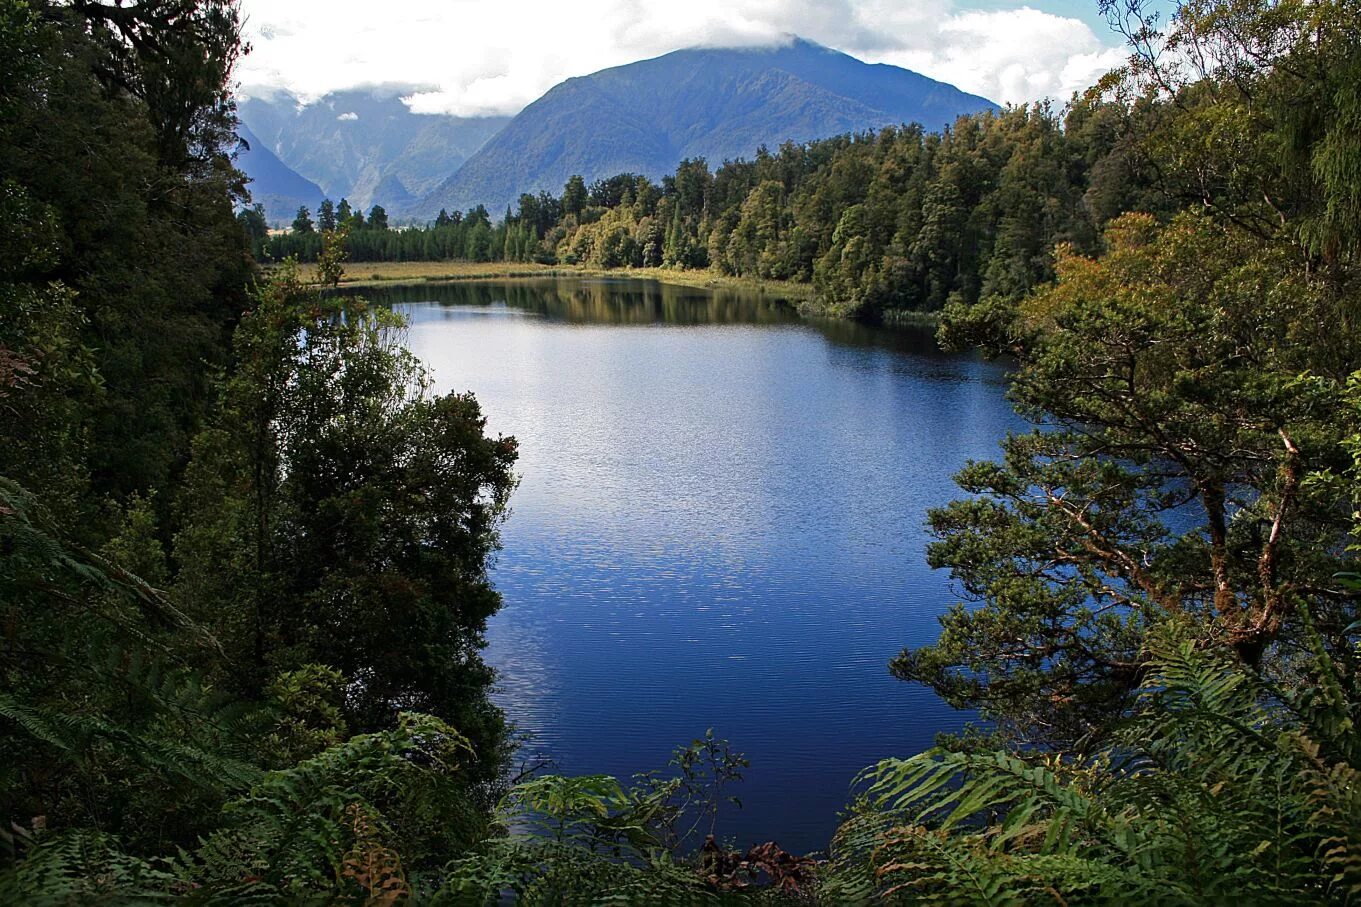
896,220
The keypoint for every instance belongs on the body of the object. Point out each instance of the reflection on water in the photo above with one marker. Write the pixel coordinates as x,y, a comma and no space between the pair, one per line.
719,524
598,300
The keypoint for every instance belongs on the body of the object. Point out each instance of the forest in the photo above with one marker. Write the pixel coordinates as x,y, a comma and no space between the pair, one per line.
881,223
244,545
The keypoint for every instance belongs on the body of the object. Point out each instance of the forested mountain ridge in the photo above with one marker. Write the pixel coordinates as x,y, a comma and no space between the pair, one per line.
718,104
882,223
363,144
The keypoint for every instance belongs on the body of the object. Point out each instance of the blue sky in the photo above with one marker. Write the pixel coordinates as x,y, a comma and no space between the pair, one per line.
1074,9
471,57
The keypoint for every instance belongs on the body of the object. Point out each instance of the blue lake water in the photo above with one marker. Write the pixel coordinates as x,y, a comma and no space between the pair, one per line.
720,523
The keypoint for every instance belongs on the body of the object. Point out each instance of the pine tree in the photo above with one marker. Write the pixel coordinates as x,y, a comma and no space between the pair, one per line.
302,223
326,216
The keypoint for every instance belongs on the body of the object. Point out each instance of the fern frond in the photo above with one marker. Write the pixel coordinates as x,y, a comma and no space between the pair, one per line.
85,867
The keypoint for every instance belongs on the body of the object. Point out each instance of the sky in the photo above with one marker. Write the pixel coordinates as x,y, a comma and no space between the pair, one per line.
480,57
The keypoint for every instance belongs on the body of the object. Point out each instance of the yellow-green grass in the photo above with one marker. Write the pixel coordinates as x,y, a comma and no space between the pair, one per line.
363,273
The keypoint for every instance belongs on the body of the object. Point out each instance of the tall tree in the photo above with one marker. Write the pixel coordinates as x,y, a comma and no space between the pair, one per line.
302,222
122,152
1185,385
326,216
574,196
369,507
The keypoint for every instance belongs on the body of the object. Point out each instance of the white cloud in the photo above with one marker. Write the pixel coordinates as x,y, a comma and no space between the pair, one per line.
1014,55
479,57
348,117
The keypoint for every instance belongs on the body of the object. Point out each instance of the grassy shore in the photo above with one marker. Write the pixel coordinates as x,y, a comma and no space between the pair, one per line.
364,273
396,273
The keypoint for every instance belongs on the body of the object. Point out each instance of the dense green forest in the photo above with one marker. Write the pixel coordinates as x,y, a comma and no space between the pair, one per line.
244,546
899,220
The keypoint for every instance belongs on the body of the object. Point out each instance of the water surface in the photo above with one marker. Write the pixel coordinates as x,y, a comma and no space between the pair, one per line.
719,524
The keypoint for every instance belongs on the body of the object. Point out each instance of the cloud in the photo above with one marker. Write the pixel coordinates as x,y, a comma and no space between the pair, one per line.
1014,55
478,58
348,117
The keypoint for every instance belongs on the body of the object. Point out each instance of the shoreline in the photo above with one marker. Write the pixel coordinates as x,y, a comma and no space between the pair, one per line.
801,296
362,274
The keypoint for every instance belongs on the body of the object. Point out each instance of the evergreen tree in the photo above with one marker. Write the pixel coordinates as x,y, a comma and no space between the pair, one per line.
574,196
326,216
302,223
256,227
324,428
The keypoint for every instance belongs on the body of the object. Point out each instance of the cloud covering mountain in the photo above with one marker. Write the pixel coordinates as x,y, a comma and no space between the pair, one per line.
477,58
363,144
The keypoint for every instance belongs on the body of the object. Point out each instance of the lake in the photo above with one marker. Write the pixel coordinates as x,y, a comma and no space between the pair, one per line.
719,524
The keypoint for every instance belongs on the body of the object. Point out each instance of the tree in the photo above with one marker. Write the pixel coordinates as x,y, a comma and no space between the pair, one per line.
331,261
1283,82
255,226
1188,386
127,184
175,57
1166,476
574,196
326,216
122,261
755,246
302,223
378,218
337,513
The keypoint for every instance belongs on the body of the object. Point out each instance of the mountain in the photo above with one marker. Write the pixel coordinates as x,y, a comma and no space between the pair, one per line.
273,183
365,144
718,104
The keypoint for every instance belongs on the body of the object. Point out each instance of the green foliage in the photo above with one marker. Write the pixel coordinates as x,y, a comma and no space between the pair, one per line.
97,720
1263,125
305,714
118,187
324,830
1214,788
590,840
83,867
1165,476
302,223
304,831
336,510
331,259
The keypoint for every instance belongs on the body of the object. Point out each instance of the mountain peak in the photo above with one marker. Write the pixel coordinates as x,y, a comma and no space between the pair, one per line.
717,103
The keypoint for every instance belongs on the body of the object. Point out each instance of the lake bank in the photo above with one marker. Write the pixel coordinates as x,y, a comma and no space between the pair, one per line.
387,273
801,296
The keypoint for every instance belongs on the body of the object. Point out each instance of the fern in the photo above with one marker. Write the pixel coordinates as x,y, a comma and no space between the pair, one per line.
1210,792
337,822
84,867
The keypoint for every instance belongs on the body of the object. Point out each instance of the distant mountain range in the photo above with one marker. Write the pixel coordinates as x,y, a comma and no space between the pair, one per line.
361,144
644,117
273,183
714,103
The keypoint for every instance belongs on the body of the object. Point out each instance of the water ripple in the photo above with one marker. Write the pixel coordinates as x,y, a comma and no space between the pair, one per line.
718,525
